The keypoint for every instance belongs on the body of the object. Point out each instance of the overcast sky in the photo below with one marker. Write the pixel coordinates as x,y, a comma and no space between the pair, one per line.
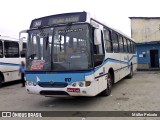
16,15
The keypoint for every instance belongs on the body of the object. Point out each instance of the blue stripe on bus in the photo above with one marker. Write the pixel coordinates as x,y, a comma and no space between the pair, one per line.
76,75
116,61
9,64
88,72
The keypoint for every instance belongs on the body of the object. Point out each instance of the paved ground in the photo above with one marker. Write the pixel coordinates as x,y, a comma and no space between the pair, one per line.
141,93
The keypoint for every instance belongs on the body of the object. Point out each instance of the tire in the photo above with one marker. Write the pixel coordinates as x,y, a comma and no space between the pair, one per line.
1,81
131,73
107,91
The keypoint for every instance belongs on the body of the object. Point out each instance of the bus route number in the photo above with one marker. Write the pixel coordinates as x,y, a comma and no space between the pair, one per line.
67,79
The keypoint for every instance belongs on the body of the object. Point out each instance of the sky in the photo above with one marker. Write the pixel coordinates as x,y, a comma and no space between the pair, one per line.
16,15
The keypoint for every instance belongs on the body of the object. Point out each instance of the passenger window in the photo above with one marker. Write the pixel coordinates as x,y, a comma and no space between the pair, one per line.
121,44
125,45
11,49
1,49
107,38
129,46
115,42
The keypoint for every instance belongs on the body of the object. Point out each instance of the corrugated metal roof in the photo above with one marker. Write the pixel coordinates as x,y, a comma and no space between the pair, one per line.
147,43
144,17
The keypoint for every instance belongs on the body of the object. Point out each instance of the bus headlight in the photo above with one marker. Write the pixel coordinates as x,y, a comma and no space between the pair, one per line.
30,83
87,83
74,84
81,84
34,83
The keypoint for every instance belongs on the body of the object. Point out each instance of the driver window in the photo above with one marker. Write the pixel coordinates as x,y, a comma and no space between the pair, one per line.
98,53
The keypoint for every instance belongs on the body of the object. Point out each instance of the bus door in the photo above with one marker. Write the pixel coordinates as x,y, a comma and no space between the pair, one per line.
98,58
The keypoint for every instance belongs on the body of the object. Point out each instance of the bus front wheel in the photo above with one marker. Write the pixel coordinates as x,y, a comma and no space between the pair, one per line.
107,91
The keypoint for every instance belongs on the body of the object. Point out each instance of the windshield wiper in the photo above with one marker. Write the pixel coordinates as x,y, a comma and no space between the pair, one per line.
32,56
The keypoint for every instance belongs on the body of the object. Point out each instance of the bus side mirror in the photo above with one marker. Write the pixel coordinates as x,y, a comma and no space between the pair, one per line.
23,36
97,37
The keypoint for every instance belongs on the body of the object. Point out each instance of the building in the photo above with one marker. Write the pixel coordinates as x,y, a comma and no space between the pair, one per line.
146,32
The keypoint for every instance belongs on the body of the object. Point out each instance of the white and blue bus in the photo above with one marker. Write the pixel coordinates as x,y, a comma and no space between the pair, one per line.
73,54
10,58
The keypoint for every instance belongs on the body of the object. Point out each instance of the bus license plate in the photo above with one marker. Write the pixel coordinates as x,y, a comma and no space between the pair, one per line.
73,90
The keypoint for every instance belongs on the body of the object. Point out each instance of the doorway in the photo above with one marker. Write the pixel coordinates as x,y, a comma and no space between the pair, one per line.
154,59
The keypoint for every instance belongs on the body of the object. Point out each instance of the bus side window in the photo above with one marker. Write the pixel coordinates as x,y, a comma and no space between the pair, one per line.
1,49
121,46
125,45
11,49
115,42
129,46
107,38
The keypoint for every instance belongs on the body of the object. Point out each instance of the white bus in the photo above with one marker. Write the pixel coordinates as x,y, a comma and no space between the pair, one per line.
10,58
73,54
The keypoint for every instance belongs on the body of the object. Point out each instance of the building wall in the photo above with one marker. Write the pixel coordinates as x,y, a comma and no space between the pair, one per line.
145,29
143,54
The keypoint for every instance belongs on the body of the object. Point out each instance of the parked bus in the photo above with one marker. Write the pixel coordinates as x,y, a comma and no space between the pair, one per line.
73,54
10,59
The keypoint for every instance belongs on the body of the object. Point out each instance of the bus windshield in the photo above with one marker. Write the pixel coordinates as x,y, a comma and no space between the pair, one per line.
60,48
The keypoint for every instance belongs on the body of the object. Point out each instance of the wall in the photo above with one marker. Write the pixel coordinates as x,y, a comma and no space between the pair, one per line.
145,29
143,54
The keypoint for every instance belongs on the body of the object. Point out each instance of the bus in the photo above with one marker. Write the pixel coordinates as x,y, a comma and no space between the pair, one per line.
74,54
10,58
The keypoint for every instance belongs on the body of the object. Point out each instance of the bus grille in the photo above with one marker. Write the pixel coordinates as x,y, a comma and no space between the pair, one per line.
53,93
52,85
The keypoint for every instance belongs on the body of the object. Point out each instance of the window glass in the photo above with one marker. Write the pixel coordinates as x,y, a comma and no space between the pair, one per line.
23,53
107,38
11,49
134,48
121,44
125,45
1,49
129,46
115,42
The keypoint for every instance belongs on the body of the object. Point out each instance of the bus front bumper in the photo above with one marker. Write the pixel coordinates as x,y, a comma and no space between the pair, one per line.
67,91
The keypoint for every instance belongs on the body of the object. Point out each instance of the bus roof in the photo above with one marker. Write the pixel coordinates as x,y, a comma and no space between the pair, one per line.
8,38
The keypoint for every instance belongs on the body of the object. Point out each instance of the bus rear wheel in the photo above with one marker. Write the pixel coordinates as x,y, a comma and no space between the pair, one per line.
107,91
1,81
131,72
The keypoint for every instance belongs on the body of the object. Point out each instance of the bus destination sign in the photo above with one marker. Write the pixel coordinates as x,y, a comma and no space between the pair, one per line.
59,19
